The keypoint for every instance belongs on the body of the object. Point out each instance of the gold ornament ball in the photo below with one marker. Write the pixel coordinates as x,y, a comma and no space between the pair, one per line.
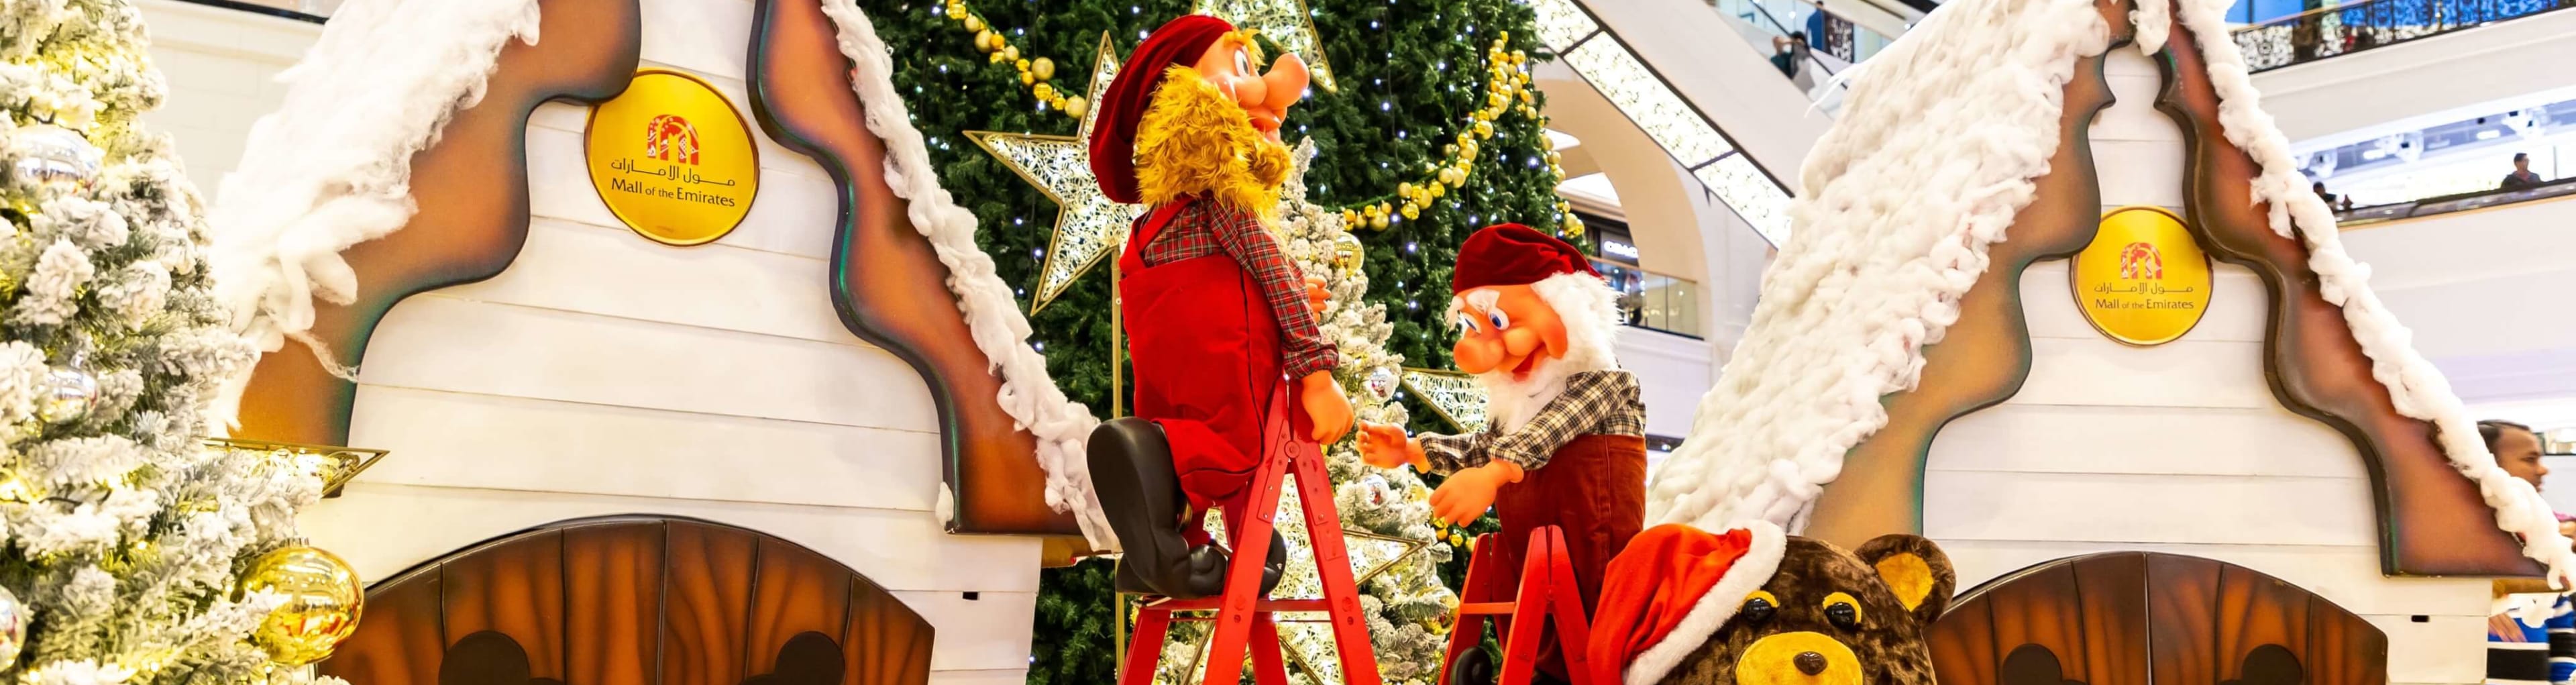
321,608
984,40
1404,189
1412,212
1076,106
1011,53
1044,67
973,23
1377,221
1027,78
1484,129
1346,253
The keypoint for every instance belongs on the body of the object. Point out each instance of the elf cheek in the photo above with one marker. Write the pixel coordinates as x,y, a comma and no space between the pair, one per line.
1520,342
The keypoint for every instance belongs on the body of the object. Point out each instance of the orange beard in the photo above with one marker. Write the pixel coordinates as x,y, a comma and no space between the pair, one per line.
1195,141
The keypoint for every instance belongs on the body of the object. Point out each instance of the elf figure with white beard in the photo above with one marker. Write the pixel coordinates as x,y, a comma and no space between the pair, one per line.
1564,443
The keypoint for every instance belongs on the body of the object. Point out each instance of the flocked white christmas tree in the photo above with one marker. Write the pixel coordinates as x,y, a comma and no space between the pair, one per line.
1408,608
125,532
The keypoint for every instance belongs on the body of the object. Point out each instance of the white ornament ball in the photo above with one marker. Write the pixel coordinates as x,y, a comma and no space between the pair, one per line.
13,627
1382,383
69,395
1378,492
54,156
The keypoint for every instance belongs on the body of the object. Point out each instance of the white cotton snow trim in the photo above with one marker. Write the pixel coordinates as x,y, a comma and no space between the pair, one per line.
1962,114
331,167
1710,611
1029,395
1932,158
2417,389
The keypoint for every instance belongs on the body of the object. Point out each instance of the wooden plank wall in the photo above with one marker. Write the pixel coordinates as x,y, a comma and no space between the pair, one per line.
2179,448
604,374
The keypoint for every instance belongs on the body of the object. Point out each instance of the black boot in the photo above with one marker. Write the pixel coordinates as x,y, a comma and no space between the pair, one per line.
1131,468
1276,565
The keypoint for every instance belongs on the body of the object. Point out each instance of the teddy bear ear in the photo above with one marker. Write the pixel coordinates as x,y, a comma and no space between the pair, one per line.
1915,569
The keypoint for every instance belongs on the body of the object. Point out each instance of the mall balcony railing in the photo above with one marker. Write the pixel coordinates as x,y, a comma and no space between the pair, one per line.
1653,301
2344,29
2461,202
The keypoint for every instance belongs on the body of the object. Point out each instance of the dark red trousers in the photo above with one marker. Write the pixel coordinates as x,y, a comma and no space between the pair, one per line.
1594,491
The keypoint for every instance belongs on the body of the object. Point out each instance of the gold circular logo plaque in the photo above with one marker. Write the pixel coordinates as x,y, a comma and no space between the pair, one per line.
672,159
2143,280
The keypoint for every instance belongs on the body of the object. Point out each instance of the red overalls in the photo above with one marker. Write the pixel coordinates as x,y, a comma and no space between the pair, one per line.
1206,354
1593,490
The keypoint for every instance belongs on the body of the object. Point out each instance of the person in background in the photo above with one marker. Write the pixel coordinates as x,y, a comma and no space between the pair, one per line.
1816,25
2320,188
2521,176
1784,55
2531,634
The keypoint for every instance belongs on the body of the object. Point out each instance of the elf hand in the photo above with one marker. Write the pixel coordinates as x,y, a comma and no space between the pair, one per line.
1469,492
1326,410
1316,295
1385,447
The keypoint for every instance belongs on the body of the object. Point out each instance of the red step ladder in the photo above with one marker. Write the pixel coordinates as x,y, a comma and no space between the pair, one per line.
1243,618
1545,590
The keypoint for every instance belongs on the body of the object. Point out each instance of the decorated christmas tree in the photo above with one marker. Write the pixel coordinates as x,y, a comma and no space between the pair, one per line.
129,537
1425,127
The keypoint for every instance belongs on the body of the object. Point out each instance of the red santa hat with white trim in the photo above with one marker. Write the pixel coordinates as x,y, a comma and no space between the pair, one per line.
1670,591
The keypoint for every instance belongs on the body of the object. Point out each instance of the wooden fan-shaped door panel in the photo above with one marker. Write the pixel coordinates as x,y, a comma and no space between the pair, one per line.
2135,618
634,601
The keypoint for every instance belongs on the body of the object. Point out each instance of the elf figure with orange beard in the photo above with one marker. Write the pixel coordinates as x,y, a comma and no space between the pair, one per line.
1564,440
1230,369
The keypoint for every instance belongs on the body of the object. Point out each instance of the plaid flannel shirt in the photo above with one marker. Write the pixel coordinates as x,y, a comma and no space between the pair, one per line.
1203,228
1594,403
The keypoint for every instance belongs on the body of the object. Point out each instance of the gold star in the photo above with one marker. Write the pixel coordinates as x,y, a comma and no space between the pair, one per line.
1457,397
1285,21
1088,225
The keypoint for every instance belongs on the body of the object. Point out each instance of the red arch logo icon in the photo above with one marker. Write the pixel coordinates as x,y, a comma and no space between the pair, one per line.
670,138
2140,261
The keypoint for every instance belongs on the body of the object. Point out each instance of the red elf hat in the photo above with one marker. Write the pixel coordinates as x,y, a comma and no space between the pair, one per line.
1669,591
1113,138
1511,254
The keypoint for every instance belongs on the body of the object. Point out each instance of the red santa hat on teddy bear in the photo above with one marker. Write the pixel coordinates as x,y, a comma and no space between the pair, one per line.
1670,591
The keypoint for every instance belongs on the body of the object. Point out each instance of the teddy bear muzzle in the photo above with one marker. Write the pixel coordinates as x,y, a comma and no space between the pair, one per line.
1800,658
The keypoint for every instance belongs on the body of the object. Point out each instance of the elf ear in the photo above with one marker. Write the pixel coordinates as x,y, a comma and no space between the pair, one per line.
1915,569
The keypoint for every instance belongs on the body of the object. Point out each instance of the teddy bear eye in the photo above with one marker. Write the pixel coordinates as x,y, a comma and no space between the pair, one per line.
1842,611
1759,608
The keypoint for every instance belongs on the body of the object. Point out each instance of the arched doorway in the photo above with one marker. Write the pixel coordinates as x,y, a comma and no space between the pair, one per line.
2134,618
634,600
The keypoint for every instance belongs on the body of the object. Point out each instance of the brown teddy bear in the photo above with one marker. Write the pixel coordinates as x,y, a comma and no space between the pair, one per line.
1751,606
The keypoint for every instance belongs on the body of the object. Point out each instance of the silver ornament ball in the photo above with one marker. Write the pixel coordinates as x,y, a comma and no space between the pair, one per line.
13,627
1382,383
69,395
54,156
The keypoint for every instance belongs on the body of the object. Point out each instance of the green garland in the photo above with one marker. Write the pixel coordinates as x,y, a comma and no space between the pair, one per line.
1409,73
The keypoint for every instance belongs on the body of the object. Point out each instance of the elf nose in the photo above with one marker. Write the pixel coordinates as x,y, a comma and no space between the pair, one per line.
1809,663
1286,82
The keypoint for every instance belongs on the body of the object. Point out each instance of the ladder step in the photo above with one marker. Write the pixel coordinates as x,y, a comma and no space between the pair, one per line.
1214,603
1485,608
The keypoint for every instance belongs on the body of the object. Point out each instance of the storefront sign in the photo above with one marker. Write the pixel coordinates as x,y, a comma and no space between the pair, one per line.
2143,280
1619,248
673,159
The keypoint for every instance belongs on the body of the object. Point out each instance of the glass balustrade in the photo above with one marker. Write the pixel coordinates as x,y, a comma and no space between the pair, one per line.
1837,43
1653,301
2356,26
